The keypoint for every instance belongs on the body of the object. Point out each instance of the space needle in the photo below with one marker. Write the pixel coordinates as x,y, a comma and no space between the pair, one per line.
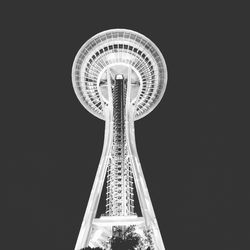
119,76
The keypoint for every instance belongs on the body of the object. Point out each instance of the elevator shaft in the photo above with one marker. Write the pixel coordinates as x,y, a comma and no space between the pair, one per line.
119,196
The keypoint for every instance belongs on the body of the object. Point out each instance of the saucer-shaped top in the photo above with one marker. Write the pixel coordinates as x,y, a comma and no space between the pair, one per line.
118,48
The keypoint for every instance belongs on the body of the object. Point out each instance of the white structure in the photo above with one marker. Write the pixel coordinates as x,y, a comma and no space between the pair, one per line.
119,76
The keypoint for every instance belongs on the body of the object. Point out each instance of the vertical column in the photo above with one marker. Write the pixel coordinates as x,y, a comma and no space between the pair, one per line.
119,182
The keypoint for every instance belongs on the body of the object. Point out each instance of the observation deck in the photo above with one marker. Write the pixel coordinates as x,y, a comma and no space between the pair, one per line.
123,47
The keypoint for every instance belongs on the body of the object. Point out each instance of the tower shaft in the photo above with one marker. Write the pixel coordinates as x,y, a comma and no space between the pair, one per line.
119,196
120,163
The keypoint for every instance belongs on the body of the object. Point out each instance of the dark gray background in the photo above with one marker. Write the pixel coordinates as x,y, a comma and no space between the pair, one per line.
191,146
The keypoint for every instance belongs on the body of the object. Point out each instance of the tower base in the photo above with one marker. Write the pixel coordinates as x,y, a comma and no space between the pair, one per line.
102,228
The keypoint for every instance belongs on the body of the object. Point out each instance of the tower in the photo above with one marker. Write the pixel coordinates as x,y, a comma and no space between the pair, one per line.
119,76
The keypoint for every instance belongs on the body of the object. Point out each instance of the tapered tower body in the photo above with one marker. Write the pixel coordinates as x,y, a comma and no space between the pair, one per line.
119,76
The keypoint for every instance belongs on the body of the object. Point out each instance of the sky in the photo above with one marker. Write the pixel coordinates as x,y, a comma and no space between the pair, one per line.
189,146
